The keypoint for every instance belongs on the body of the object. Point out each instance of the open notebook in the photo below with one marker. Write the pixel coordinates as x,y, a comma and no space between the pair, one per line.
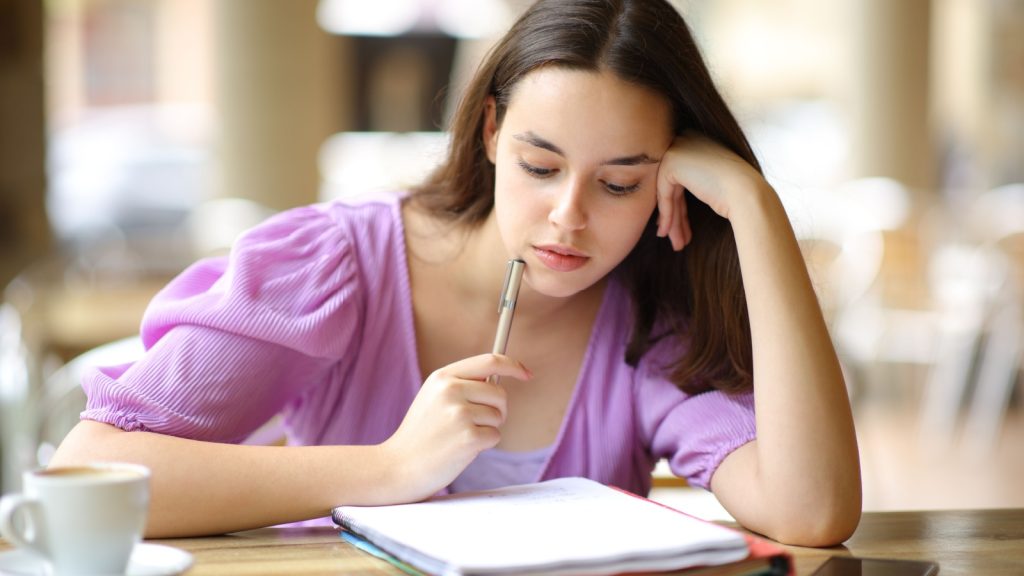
563,526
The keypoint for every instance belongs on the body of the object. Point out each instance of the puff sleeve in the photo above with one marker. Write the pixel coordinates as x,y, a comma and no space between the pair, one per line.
693,432
231,341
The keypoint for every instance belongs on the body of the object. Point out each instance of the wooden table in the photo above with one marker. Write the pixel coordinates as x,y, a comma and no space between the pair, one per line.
963,542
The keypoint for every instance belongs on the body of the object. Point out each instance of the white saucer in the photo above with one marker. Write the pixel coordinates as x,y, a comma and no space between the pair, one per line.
147,560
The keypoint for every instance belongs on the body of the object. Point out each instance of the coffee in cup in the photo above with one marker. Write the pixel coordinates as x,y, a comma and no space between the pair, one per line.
79,519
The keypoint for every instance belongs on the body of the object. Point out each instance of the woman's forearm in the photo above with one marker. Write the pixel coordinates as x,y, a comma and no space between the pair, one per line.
201,488
805,459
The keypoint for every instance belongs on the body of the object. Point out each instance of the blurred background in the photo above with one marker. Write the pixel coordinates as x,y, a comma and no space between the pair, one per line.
139,135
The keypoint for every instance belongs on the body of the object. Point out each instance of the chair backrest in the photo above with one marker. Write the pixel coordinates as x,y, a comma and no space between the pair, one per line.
63,400
998,213
841,231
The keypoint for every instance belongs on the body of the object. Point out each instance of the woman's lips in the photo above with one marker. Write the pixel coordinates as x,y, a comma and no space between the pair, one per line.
560,258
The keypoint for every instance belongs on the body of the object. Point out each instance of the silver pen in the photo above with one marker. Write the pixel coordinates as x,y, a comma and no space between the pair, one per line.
507,307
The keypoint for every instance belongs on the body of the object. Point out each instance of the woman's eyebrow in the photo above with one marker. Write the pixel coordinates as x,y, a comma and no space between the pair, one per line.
533,139
634,160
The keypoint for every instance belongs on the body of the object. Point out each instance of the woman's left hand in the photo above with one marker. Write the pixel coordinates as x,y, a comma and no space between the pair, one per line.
709,171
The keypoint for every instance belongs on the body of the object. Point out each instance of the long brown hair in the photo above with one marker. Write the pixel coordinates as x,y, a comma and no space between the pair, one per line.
695,296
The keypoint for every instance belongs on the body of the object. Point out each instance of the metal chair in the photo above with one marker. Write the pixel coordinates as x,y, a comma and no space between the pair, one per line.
14,393
999,215
979,282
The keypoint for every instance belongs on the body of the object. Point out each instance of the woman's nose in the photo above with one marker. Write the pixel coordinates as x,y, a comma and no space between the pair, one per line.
568,210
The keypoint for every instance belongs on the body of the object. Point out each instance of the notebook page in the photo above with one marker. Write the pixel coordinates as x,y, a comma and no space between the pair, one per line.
561,522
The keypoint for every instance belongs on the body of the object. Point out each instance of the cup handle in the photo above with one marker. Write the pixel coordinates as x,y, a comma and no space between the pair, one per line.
31,537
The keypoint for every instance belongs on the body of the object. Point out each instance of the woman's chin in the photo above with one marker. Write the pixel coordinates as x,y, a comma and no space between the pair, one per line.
556,285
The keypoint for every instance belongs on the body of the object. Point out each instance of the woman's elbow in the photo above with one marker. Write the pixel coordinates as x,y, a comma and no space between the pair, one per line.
820,529
88,441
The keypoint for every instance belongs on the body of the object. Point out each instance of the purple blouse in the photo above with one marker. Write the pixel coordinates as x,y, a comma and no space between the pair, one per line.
311,316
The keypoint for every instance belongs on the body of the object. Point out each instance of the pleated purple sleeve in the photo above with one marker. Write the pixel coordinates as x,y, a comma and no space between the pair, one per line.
693,432
232,341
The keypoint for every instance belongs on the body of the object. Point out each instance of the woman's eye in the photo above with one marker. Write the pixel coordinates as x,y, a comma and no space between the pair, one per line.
535,171
620,190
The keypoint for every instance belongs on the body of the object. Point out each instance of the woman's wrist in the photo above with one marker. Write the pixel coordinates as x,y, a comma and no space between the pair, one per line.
386,479
365,476
756,201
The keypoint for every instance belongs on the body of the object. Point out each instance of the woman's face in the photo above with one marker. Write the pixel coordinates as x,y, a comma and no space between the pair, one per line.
576,161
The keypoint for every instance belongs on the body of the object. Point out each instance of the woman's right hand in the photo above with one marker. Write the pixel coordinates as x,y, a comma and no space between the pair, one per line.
456,415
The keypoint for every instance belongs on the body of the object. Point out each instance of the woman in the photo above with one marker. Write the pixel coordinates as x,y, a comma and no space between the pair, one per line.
662,281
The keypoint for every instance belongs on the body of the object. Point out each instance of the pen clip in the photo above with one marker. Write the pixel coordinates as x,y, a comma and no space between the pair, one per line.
503,295
510,290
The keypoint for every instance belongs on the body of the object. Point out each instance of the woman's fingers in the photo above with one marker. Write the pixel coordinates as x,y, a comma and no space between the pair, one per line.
485,415
673,221
482,366
456,414
466,381
666,207
488,394
680,234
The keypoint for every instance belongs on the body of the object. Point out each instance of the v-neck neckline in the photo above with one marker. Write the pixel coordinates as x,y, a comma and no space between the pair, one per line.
416,376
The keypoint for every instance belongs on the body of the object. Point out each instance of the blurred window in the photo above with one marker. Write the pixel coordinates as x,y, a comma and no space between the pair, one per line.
130,123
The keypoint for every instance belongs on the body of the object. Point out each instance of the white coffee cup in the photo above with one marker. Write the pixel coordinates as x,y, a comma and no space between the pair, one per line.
79,519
